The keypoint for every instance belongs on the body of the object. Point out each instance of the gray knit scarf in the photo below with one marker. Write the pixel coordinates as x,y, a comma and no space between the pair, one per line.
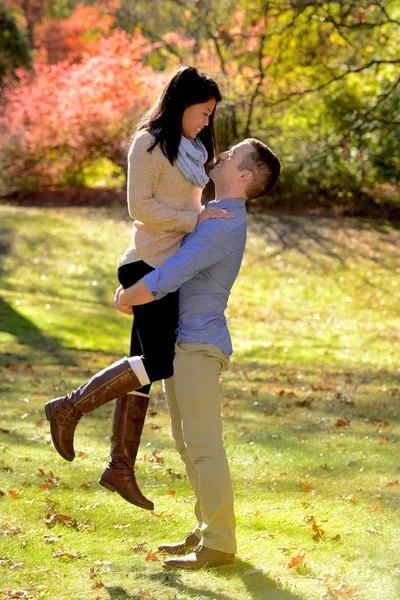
192,156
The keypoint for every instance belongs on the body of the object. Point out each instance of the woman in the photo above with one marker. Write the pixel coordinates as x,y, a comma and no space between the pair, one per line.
166,175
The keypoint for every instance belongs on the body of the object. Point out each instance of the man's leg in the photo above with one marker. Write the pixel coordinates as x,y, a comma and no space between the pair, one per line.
197,368
193,539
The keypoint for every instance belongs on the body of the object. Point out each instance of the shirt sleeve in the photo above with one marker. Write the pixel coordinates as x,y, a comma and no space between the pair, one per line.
143,174
207,245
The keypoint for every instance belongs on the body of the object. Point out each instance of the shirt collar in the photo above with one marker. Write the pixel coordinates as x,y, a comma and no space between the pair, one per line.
230,203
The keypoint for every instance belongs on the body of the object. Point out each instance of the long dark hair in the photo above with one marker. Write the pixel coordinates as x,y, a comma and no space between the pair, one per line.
164,120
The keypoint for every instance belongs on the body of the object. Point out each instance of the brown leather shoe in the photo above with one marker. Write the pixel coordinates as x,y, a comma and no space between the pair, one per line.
191,541
129,416
201,558
64,413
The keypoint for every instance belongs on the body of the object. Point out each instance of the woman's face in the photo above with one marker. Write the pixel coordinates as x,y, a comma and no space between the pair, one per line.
197,116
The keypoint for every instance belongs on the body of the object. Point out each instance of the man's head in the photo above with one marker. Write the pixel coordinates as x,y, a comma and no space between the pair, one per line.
249,170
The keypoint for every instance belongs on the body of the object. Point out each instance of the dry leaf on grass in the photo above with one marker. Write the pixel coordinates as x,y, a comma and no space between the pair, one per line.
374,531
318,532
97,585
152,556
61,554
342,423
139,547
295,561
13,530
343,593
52,519
50,539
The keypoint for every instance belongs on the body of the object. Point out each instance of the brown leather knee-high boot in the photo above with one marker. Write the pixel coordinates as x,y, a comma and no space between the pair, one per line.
119,476
64,413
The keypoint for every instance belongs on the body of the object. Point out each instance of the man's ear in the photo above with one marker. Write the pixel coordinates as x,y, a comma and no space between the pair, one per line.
246,176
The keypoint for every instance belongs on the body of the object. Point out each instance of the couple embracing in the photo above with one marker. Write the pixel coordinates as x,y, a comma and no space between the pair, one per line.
175,278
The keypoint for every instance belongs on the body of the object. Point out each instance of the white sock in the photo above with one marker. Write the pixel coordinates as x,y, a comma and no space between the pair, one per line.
137,367
139,394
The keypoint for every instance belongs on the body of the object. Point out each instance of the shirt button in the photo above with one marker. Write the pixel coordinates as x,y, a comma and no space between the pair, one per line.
153,293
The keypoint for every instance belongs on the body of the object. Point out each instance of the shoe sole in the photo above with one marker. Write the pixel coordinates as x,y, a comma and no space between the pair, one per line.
112,488
48,417
191,568
179,553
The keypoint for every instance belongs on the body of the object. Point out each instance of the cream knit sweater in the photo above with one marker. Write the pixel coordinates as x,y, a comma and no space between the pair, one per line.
163,203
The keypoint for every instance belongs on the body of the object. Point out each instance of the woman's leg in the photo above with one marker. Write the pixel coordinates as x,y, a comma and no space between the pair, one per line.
123,376
128,421
130,409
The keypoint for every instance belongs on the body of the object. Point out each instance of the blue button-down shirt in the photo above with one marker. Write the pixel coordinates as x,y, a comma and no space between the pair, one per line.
205,268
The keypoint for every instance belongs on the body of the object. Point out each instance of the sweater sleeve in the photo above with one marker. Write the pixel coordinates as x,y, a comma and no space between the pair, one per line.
143,174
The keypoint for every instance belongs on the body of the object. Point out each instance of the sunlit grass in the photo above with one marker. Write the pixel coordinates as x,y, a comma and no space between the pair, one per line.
310,404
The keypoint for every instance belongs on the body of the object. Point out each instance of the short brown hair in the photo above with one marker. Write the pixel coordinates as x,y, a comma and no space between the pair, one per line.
265,166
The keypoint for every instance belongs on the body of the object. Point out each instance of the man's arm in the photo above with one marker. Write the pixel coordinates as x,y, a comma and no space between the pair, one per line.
206,246
134,295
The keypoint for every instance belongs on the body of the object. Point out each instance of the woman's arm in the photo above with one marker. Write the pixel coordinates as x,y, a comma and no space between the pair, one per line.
143,175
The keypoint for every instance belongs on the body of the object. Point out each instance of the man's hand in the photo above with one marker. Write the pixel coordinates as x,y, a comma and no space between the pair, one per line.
127,310
213,213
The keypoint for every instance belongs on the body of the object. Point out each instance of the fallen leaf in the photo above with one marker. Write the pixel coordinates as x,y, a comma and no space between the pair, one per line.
305,486
123,526
335,538
152,556
380,422
50,539
393,483
306,403
318,532
139,547
144,593
345,593
16,594
69,555
97,585
295,561
13,530
84,486
384,441
52,519
374,531
13,493
4,430
342,423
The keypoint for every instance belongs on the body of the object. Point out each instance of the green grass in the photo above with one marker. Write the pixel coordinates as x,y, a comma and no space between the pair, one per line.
310,404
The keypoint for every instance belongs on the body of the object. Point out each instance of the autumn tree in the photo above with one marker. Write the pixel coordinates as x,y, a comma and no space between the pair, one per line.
14,45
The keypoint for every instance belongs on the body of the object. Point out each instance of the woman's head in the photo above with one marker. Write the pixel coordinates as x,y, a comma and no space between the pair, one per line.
186,106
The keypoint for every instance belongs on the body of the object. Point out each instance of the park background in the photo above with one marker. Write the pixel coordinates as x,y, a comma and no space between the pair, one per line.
311,400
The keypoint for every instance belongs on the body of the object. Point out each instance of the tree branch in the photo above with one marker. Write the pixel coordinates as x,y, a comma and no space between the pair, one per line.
335,79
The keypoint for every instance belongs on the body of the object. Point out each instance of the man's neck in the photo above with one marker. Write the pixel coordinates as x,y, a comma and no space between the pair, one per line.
222,193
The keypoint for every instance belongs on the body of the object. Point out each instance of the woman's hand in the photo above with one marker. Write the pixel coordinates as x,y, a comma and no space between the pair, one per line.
127,310
213,213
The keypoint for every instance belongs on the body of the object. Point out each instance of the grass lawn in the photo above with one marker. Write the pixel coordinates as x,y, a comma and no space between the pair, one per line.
310,405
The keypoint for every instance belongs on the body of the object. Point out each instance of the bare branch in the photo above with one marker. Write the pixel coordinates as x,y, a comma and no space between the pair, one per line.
335,79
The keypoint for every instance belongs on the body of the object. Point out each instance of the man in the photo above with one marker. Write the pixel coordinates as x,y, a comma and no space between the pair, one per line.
204,269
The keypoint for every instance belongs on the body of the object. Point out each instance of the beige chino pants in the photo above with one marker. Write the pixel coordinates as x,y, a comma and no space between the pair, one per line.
196,424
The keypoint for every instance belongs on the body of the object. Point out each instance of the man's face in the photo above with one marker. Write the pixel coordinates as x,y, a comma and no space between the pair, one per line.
226,169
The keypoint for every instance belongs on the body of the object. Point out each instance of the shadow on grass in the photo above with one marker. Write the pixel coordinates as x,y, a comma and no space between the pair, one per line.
259,585
12,322
294,231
